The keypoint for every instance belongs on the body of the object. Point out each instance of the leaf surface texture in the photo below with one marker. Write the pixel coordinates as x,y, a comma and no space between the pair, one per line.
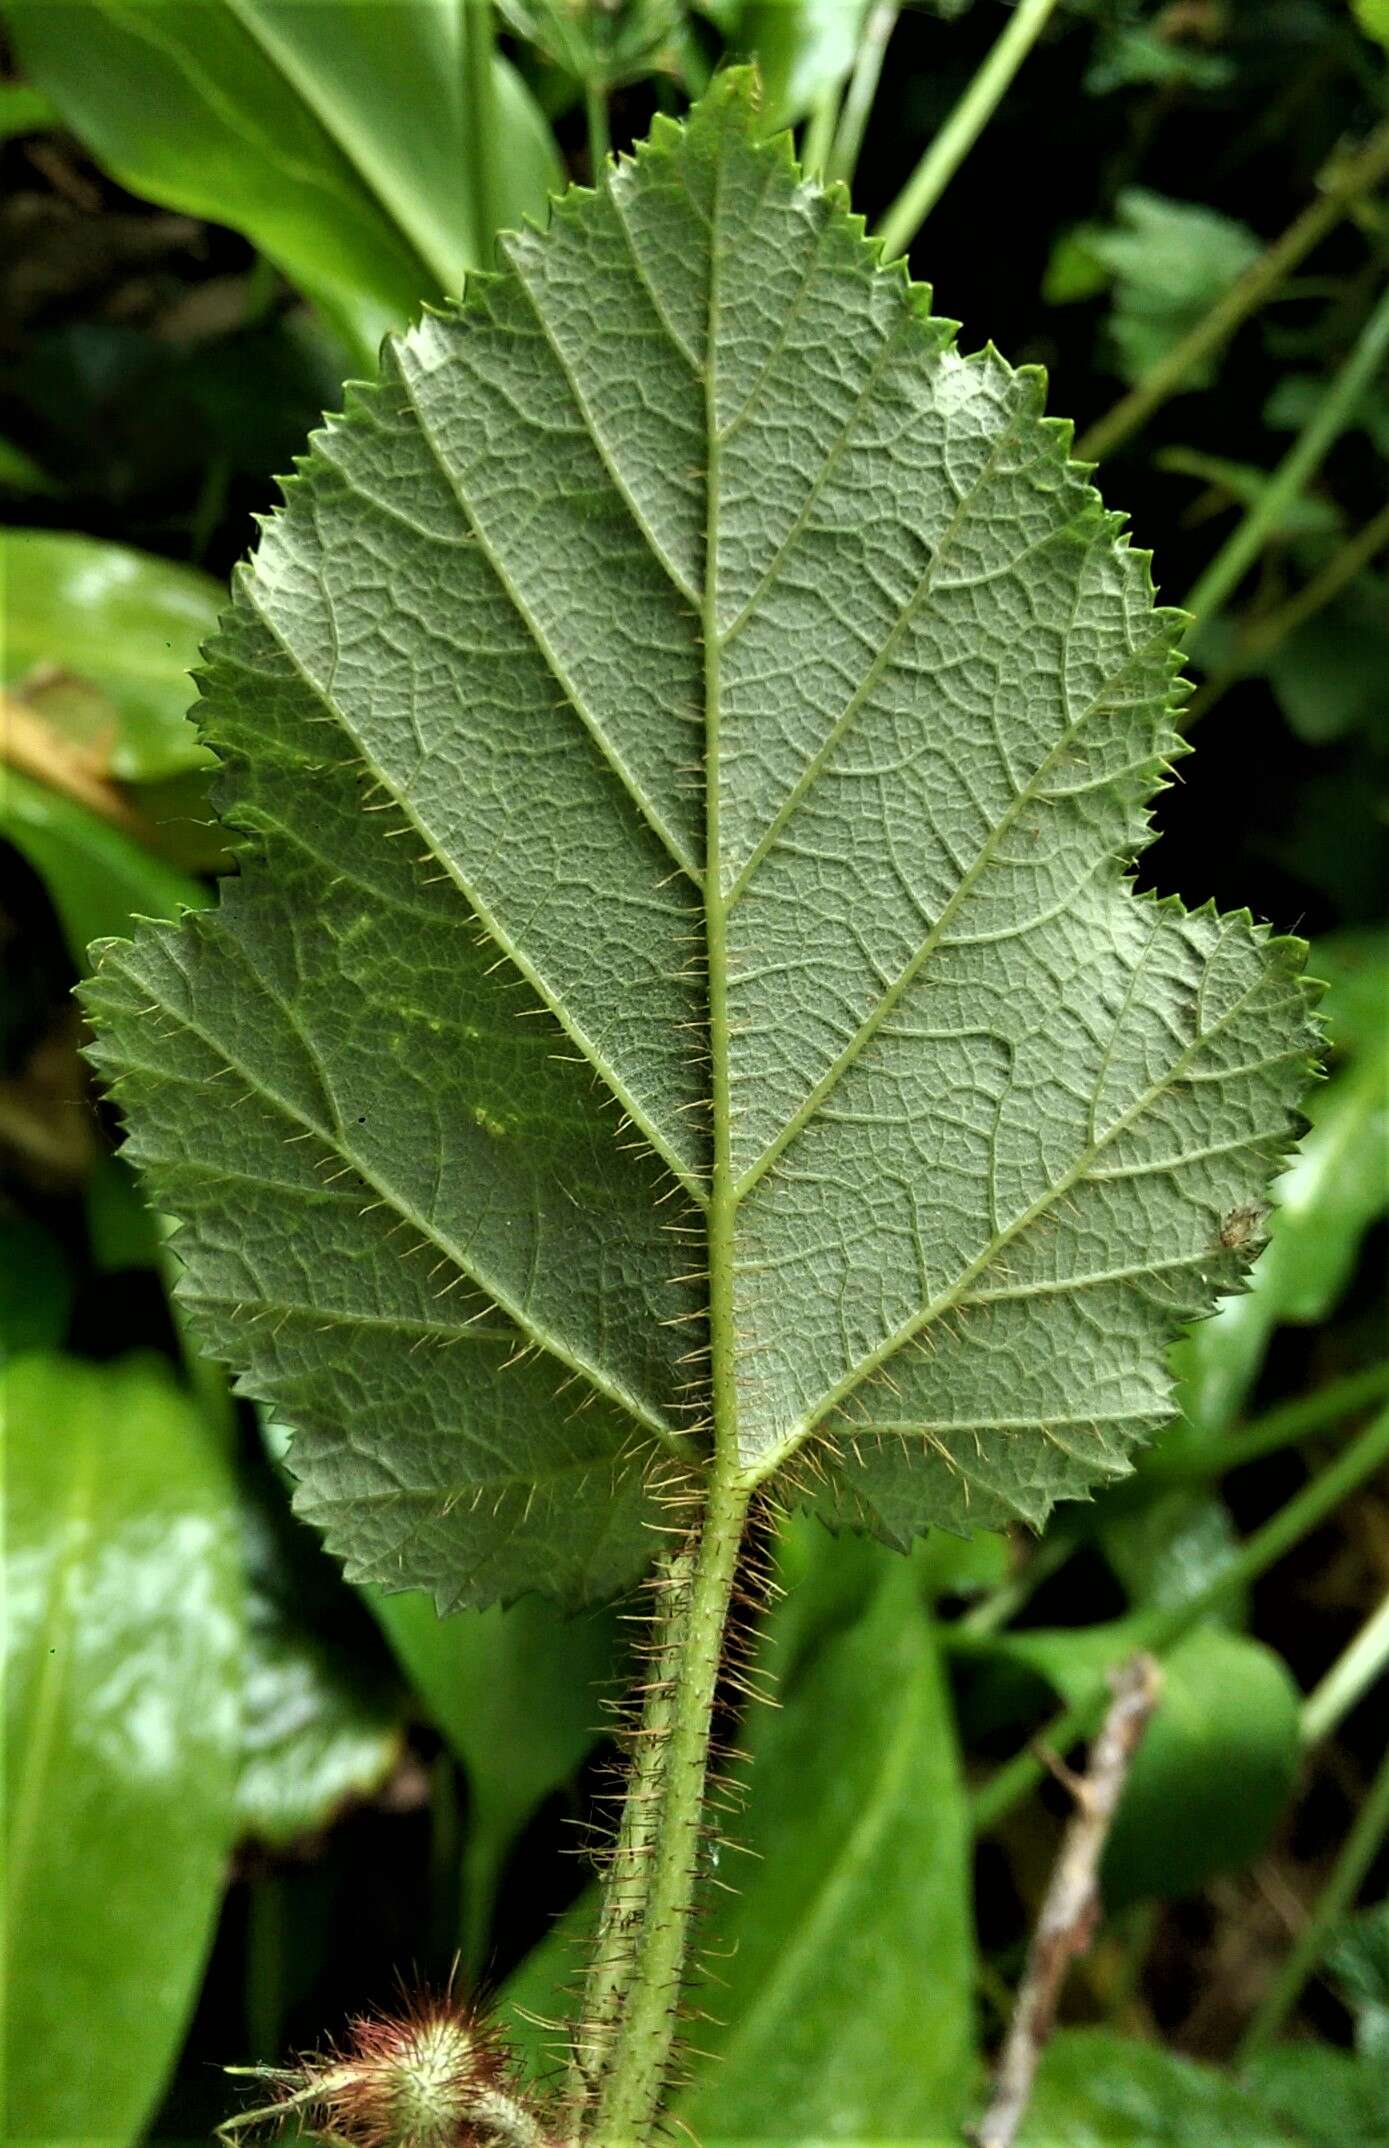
691,726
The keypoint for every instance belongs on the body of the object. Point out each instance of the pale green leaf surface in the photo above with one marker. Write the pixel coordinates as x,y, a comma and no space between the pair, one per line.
692,491
122,1686
128,622
333,135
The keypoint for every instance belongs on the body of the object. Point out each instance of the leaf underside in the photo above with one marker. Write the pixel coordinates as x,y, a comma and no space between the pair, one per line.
693,494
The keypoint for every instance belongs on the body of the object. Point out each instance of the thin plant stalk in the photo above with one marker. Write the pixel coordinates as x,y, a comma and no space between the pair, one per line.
480,117
963,127
1264,635
1260,282
1358,1853
1194,1462
1328,421
1349,1679
863,88
599,137
820,130
1160,1628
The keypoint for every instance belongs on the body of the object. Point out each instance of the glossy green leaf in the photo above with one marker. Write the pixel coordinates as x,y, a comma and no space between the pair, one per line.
1337,1187
321,1716
690,724
129,623
98,878
336,136
804,48
122,1687
1218,1764
1098,2090
517,1694
842,1950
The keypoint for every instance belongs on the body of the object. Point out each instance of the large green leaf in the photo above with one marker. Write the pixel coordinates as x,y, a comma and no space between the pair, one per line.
123,620
1214,1773
336,136
840,1998
1098,2090
122,1683
689,723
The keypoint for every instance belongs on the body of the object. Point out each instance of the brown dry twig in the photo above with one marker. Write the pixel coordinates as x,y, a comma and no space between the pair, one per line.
1070,1912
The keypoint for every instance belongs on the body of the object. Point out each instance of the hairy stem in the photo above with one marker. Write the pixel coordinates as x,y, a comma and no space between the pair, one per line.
819,131
630,2094
963,127
1259,283
1161,1629
629,1872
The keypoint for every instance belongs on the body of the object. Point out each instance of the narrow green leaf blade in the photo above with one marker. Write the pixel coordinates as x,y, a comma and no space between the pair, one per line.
122,1686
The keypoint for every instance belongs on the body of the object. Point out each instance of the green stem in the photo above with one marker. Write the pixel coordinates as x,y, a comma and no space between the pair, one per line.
630,2095
1266,634
1350,1677
1192,1461
628,1876
1196,1460
1260,281
1328,421
599,139
963,127
480,119
863,88
1159,1629
819,131
1361,1847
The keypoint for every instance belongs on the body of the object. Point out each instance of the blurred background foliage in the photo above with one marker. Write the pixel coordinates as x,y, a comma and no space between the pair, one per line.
242,1797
